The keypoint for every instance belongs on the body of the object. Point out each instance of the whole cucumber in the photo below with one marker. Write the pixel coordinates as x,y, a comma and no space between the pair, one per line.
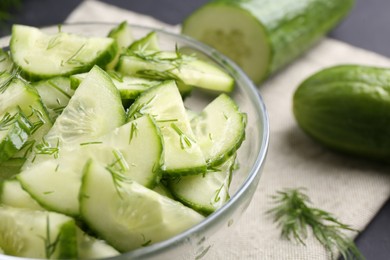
347,108
262,36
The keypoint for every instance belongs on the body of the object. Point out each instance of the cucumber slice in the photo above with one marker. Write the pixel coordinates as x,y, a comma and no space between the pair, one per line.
123,36
175,65
13,195
129,87
41,55
133,150
92,248
85,118
205,193
11,167
219,129
148,42
133,215
55,93
262,36
182,154
16,94
37,234
6,63
15,130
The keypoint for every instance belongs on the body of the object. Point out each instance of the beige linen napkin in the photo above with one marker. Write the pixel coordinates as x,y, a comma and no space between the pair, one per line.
351,189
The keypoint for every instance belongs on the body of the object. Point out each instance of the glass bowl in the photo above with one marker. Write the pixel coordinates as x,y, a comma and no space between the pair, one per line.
198,240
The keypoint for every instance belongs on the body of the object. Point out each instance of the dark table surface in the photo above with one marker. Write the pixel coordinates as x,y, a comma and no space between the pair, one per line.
367,26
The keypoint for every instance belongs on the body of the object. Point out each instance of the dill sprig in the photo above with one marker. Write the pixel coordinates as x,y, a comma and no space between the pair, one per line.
295,217
7,121
50,246
117,170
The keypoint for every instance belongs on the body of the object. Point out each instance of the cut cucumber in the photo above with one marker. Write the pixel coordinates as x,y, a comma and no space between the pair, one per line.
93,248
262,36
15,130
129,87
11,167
55,93
13,195
182,154
6,63
94,110
37,234
133,215
133,150
16,94
175,65
148,42
219,129
123,36
205,193
41,55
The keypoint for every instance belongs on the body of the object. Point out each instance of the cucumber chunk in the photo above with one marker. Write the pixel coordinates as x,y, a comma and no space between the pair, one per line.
17,95
6,63
182,154
55,93
15,130
175,65
11,167
37,234
93,248
262,36
85,118
13,195
41,55
133,215
123,36
205,193
129,87
133,150
219,129
148,42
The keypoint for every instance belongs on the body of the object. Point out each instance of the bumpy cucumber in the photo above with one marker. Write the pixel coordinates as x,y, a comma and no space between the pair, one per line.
41,55
262,36
133,215
175,65
346,108
182,154
37,234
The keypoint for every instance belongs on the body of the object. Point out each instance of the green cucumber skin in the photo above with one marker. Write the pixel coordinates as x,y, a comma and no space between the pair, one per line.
67,242
291,27
347,109
18,135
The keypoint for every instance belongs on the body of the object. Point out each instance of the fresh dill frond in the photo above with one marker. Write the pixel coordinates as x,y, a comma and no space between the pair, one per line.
293,214
185,141
7,121
45,148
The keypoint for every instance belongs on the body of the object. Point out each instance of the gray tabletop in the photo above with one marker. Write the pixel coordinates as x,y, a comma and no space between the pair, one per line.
367,26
